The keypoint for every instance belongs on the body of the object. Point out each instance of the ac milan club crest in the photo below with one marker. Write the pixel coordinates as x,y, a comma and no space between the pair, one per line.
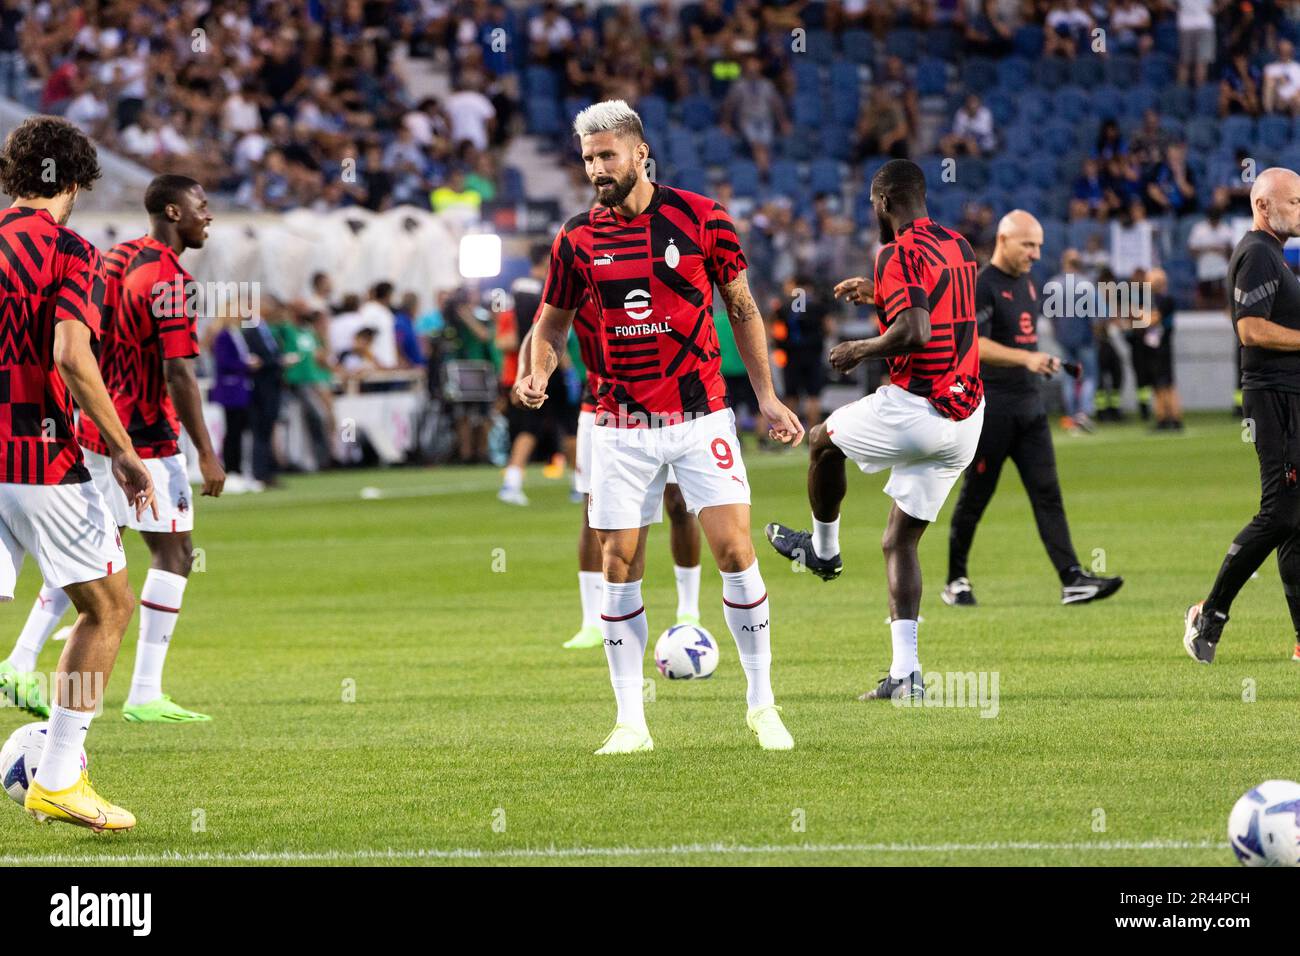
182,504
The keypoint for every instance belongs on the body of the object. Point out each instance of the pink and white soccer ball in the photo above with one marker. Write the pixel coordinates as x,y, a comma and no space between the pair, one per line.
19,756
1264,826
686,652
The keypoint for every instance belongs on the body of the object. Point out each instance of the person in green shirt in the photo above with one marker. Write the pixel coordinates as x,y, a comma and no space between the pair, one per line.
308,378
743,400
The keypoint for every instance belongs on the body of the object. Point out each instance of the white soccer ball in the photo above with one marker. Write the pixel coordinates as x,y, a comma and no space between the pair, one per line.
686,652
1264,826
19,757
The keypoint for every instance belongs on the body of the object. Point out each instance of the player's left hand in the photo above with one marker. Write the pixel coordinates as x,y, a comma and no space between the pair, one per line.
783,424
845,358
214,475
531,390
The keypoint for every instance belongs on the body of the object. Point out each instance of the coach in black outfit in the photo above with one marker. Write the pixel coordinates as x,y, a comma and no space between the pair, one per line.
1265,299
1015,418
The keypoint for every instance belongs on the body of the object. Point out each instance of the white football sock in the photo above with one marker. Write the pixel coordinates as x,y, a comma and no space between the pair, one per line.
60,762
744,605
903,635
688,590
514,479
826,538
48,609
626,635
160,605
589,589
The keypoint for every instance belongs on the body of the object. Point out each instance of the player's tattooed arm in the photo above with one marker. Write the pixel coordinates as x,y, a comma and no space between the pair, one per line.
751,343
908,332
549,334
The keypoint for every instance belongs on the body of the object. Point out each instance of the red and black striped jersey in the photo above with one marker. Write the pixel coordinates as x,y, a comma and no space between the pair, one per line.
651,282
48,274
145,322
933,268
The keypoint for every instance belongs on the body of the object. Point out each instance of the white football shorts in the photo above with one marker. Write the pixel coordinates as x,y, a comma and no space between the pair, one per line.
68,529
171,490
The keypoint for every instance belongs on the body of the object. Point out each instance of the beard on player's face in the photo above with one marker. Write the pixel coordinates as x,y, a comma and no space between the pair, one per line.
1284,220
611,190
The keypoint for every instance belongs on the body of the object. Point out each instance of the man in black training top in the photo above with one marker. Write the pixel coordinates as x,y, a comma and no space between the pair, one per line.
1015,420
1266,314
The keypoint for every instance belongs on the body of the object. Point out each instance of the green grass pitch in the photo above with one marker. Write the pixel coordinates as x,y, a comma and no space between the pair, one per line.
387,683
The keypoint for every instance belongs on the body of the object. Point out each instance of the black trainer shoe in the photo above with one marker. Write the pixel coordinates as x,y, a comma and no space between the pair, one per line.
1085,587
889,688
1201,635
797,546
957,593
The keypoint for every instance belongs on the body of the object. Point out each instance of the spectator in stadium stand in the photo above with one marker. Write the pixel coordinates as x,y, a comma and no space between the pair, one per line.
1239,89
754,108
1211,241
1282,81
1132,241
1109,330
378,180
1067,28
13,69
1170,186
1141,348
895,82
1149,142
377,313
972,130
307,378
1089,197
63,82
1196,35
1077,340
1130,24
991,30
88,111
803,323
232,388
455,198
264,409
343,326
358,360
1095,256
409,353
317,299
883,128
1159,340
549,36
471,113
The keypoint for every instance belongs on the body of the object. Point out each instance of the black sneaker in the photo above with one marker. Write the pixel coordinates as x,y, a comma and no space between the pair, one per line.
1201,635
889,688
957,593
1085,587
797,546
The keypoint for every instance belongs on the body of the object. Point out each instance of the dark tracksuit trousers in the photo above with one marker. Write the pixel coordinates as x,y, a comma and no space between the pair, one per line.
1015,427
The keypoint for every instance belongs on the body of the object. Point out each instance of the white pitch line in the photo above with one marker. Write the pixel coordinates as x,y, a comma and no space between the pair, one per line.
597,852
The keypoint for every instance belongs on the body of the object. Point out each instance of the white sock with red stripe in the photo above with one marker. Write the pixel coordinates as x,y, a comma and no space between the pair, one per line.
744,605
589,589
160,605
626,635
48,609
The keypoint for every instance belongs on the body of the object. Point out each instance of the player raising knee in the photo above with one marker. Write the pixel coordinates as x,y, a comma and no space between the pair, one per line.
924,425
49,508
147,361
649,256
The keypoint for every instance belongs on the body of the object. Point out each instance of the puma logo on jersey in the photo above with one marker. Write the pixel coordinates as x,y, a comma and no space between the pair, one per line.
605,260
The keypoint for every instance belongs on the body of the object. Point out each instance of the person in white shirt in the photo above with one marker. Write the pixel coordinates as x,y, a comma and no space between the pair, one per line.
1067,25
1211,241
377,313
1132,242
239,114
972,130
1131,22
1282,81
1195,40
471,113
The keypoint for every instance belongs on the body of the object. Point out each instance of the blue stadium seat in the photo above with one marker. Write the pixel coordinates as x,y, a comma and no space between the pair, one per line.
1177,101
798,145
1086,70
1058,136
978,74
1014,74
1051,73
512,185
999,200
1237,132
1056,202
1156,69
543,115
973,172
1202,133
931,77
1139,99
573,105
858,46
693,179
820,45
807,76
1288,156
1053,238
743,175
654,112
1021,138
813,15
1069,104
1166,38
1029,198
698,113
1207,100
943,42
845,76
1002,107
1121,70
825,176
717,148
1078,231
1042,170
681,148
837,142
1033,106
845,105
1028,41
1005,173
933,168
904,44
1107,102
783,178
862,214
541,81
1274,131
807,110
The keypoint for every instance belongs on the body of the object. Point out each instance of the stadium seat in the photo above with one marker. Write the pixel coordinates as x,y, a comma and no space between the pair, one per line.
845,75
837,142
654,112
1237,132
1069,104
1207,100
1014,74
1033,105
1177,101
820,45
1156,69
798,145
1054,237
1058,137
698,113
973,172
1005,173
1107,102
1051,73
1202,133
933,168
1078,231
945,43
543,116
1002,107
807,76
1086,70
693,179
744,178
681,148
1041,170
978,74
904,44
1121,70
541,81
1166,38
1274,132
1028,41
1029,198
1139,99
1021,138
858,46
826,176
573,105
931,77
845,105
813,15
1056,202
717,148
512,185
808,110
783,178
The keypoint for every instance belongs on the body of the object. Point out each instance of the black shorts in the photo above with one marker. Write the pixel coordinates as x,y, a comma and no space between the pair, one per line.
804,374
1161,361
1274,418
740,392
558,413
